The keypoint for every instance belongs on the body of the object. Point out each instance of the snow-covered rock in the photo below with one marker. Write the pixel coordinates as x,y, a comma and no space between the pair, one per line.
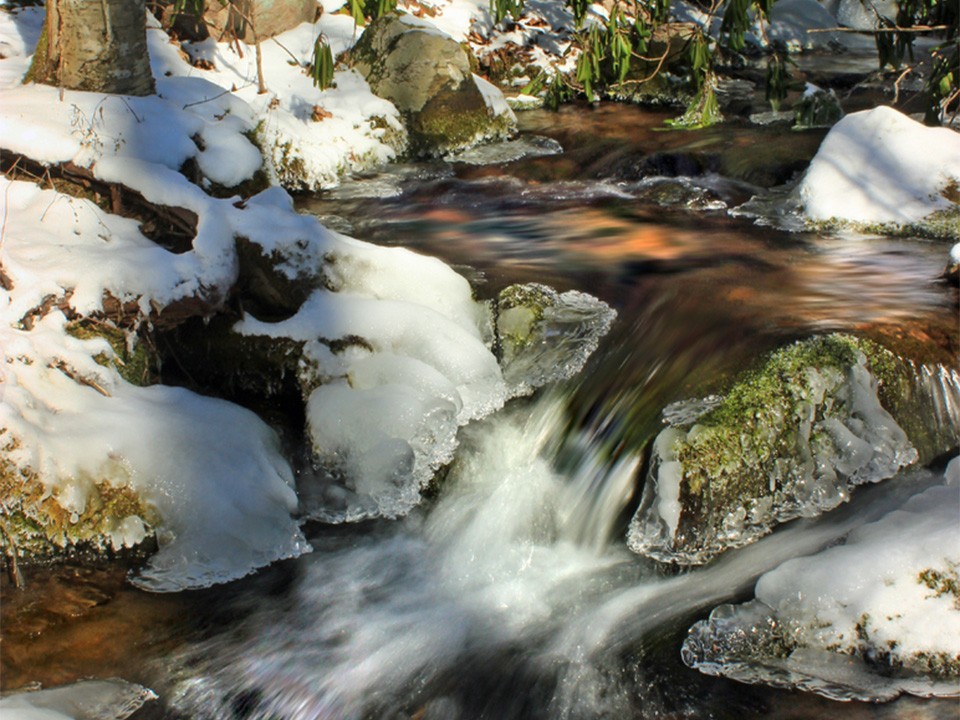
878,167
867,619
395,353
310,137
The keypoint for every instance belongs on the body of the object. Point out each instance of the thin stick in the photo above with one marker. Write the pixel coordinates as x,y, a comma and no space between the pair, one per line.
915,29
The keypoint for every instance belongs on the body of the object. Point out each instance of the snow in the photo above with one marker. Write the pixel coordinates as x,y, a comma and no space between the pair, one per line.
312,137
880,166
393,400
224,496
873,580
388,411
867,618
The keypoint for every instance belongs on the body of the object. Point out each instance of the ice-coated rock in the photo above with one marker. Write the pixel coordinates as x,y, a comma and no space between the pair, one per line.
789,439
85,700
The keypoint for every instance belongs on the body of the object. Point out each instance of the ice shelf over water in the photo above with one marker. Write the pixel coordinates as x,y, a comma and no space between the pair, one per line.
85,700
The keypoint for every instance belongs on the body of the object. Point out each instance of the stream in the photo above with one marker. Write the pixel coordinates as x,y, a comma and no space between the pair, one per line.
510,593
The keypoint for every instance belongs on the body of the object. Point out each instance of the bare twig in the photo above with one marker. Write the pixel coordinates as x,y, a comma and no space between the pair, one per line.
914,29
287,51
896,84
70,373
215,97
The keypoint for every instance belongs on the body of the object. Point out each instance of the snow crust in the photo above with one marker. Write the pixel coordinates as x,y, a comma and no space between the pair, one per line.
880,166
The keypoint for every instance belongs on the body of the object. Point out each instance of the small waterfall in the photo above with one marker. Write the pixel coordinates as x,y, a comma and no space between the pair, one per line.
513,586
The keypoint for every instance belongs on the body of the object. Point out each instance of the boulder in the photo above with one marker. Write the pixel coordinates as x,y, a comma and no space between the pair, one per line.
868,618
790,438
427,76
865,14
226,19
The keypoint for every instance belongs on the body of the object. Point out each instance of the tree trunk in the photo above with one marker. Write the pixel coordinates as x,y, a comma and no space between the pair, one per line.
96,45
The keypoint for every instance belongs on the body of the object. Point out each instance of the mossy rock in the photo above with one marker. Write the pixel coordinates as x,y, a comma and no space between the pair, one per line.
428,76
232,365
519,309
36,526
134,357
790,438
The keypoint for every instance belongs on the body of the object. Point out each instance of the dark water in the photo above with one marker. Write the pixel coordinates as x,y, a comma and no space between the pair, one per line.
487,604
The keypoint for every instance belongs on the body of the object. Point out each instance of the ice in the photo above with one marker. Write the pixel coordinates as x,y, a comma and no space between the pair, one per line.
85,700
838,436
867,619
550,338
211,470
404,364
508,151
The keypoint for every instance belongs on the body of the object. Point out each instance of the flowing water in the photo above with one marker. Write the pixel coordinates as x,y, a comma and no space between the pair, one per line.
510,593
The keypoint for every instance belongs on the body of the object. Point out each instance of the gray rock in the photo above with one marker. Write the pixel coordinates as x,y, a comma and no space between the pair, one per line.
863,14
427,75
226,19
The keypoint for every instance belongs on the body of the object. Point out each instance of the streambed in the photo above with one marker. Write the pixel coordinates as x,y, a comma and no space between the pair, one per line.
511,593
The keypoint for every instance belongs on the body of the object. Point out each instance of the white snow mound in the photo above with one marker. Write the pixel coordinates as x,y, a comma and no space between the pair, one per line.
879,166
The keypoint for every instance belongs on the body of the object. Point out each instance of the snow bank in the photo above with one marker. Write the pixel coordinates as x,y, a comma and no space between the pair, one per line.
397,352
879,166
311,137
866,619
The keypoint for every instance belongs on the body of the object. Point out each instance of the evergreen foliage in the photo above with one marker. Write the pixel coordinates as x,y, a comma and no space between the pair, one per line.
610,47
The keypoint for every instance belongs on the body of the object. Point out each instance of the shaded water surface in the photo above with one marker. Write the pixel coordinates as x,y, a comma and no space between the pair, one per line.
511,594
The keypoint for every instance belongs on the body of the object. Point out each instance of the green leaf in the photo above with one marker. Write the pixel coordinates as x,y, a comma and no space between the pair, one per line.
322,70
356,11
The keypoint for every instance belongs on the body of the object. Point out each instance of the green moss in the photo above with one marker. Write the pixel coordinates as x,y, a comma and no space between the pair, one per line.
440,128
519,308
739,438
941,225
39,70
136,365
36,526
